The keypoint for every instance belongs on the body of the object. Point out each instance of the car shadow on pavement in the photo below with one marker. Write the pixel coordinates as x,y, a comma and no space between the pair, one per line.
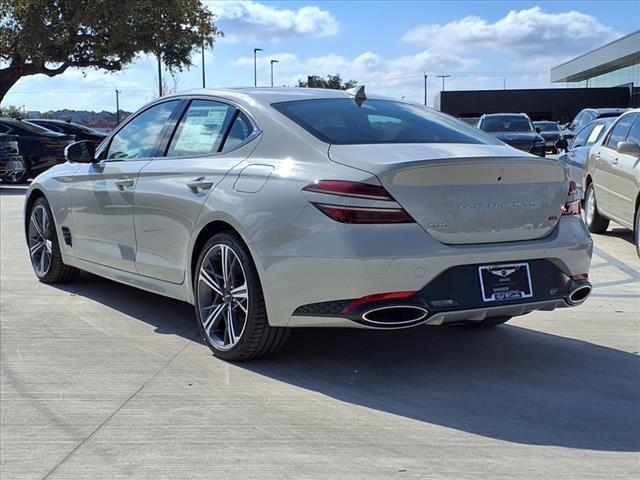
508,383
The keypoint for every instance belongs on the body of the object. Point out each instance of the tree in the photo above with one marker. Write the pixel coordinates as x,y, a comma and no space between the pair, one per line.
331,81
12,112
50,36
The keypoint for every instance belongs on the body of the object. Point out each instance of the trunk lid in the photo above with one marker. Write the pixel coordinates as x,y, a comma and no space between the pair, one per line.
462,194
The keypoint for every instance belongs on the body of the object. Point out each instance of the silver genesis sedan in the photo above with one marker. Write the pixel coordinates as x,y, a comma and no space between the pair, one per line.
269,209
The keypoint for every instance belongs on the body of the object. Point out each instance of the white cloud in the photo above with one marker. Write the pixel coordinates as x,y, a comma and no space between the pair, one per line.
531,32
248,21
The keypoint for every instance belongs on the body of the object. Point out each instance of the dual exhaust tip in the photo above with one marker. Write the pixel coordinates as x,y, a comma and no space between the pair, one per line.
579,293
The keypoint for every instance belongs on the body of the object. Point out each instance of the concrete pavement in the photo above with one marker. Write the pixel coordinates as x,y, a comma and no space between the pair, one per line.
103,381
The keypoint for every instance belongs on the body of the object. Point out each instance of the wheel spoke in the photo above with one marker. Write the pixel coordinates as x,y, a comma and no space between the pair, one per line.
240,292
231,329
37,226
213,317
224,254
36,246
242,307
210,282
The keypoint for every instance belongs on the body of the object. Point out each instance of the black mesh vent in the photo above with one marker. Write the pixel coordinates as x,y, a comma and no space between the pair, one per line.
323,308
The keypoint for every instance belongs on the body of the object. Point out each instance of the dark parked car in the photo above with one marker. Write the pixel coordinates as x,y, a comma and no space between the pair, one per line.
11,163
514,129
40,148
575,158
80,131
588,115
551,133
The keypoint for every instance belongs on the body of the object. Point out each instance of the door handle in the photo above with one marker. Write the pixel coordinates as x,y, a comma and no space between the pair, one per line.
615,161
597,155
124,182
199,184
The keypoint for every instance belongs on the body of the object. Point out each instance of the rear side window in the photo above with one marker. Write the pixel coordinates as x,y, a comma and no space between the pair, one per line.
138,138
634,133
239,132
201,129
342,121
620,131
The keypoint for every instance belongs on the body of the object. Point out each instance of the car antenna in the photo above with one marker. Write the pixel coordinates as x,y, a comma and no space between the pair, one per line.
358,94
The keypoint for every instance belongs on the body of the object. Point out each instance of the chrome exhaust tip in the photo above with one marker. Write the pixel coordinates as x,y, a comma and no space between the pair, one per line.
395,315
579,294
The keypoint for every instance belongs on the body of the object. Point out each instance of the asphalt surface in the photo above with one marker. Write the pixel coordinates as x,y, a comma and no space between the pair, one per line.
103,381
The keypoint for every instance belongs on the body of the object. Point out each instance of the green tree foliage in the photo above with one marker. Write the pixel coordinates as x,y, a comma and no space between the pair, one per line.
331,81
49,36
12,112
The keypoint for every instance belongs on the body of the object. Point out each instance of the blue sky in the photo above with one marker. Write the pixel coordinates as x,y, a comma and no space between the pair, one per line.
385,45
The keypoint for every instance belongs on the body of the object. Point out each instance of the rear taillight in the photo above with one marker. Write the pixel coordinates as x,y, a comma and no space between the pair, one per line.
356,213
350,189
572,206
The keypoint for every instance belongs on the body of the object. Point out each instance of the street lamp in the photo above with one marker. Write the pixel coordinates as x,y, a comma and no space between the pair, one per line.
255,66
272,62
443,77
203,78
425,89
118,92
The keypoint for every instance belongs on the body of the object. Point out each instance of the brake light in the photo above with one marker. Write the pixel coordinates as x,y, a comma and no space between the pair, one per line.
572,205
355,213
350,189
376,297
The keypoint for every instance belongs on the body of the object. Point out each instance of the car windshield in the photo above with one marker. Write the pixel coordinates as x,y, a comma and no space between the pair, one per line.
343,121
506,124
547,126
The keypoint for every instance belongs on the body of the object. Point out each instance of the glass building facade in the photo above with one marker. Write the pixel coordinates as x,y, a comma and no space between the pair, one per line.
620,76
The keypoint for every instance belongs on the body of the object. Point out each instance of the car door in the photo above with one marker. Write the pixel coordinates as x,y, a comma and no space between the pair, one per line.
210,139
576,156
102,193
624,190
606,159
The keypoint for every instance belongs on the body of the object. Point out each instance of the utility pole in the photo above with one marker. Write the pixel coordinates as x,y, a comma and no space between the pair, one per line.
204,84
425,89
159,76
443,77
117,107
272,62
504,83
255,66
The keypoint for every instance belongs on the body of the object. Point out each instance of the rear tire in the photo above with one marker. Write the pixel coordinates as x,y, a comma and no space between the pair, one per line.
637,231
595,222
44,248
230,307
486,323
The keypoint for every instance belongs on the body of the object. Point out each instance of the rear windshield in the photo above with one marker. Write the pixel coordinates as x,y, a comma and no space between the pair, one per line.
26,126
342,121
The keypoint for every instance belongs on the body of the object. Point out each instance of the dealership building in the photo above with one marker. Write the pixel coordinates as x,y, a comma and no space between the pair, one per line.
608,76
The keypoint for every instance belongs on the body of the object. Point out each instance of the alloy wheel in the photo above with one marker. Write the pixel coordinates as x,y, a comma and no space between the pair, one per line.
590,206
223,297
40,244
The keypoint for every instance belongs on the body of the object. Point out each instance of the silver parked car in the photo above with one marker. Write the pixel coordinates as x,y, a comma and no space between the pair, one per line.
276,208
575,156
613,178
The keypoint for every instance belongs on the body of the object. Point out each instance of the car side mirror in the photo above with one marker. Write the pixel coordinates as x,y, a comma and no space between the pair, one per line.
81,152
562,144
538,130
630,148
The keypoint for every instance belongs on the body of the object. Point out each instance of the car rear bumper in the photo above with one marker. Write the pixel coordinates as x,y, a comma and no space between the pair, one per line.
349,263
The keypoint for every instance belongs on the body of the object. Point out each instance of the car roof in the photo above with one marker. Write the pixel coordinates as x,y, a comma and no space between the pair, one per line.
605,111
265,96
505,115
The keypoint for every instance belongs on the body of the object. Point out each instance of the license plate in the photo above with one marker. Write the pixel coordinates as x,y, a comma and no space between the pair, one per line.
505,282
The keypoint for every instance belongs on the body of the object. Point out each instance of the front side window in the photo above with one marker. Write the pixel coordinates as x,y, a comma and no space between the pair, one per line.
138,138
582,136
620,131
201,129
343,121
634,133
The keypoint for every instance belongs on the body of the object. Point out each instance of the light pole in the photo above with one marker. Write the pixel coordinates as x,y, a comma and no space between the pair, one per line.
255,66
117,107
159,76
272,62
425,89
443,77
203,78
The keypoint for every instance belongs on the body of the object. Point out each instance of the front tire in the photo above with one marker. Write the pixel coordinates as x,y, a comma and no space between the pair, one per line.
230,307
637,231
44,248
595,222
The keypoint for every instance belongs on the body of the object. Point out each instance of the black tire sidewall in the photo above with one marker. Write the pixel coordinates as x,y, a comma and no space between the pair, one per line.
255,315
56,256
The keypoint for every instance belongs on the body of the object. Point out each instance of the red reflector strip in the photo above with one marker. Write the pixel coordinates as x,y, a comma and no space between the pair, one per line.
581,276
350,189
346,214
376,297
572,206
